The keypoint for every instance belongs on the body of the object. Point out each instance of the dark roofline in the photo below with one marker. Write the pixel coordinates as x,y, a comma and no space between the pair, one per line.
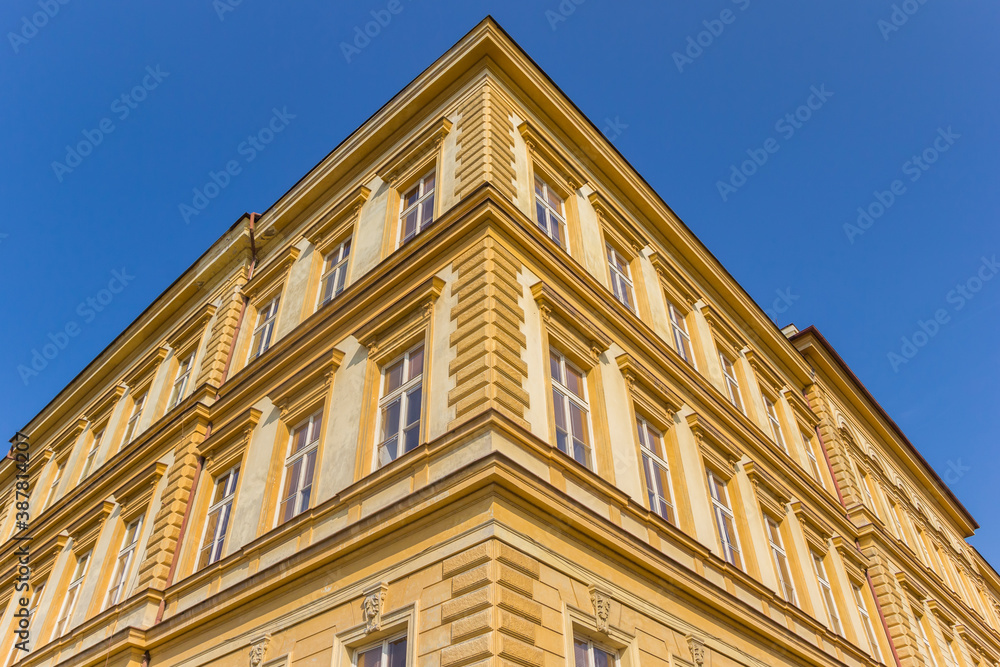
813,331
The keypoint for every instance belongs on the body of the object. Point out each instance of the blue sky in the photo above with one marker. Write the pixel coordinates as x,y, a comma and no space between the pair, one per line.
210,74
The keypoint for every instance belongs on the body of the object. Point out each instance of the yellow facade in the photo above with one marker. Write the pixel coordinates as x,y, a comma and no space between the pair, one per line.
470,393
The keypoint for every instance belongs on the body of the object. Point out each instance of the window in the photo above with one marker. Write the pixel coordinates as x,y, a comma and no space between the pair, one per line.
300,467
262,333
866,621
88,463
123,566
400,406
780,559
550,212
952,659
866,487
732,384
928,651
418,208
725,522
219,513
921,542
772,418
72,593
588,654
572,413
389,653
827,591
54,486
335,272
131,429
181,382
36,600
813,461
654,464
682,340
894,511
621,279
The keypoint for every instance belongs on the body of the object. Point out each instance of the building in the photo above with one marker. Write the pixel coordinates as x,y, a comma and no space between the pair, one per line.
470,393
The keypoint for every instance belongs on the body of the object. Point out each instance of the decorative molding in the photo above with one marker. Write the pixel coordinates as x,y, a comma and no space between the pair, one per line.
715,447
723,331
333,225
625,236
764,372
137,491
571,328
192,329
143,372
679,288
87,528
231,440
553,163
392,329
372,606
69,435
696,645
307,387
258,649
102,407
854,561
800,408
601,600
272,275
413,157
652,397
817,531
770,493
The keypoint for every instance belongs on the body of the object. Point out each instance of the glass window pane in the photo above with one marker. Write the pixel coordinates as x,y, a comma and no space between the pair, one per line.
393,377
370,658
603,658
580,654
397,653
574,381
413,407
390,419
416,362
554,368
410,224
427,212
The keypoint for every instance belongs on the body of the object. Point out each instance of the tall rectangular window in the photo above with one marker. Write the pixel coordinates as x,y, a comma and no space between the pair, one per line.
780,559
72,593
925,642
550,212
262,333
335,272
827,592
621,278
679,329
866,622
952,658
219,514
88,463
132,427
54,486
400,405
123,565
181,381
922,543
894,511
588,654
572,412
772,417
732,384
654,464
300,467
867,488
388,653
725,521
418,208
814,468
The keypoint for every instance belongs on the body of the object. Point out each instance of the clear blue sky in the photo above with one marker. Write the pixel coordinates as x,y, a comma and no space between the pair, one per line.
681,123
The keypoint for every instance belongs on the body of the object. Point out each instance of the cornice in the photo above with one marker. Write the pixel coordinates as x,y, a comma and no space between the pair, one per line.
635,373
722,329
138,490
377,332
142,373
553,306
671,278
714,445
624,232
105,404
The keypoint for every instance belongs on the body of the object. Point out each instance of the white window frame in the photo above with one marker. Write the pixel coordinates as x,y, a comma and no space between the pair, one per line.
132,427
551,215
773,529
267,318
826,592
718,492
817,473
866,621
385,643
591,645
54,486
866,489
179,388
88,462
771,410
568,397
651,459
311,447
621,280
901,533
72,595
224,507
924,639
123,564
680,334
422,195
732,382
403,393
334,270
